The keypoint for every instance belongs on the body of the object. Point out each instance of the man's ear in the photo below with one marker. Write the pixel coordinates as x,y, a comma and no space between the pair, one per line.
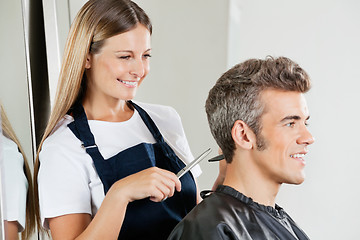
243,136
88,61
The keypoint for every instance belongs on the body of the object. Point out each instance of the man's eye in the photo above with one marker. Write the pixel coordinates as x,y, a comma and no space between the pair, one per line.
124,57
290,124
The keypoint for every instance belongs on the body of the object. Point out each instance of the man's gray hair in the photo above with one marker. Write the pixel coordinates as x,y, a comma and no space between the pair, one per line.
236,96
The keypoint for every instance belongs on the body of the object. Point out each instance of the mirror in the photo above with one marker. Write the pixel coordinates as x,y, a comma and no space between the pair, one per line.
17,189
17,138
1,202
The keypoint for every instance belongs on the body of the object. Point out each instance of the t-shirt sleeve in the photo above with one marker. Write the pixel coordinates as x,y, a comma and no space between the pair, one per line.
15,185
62,183
175,136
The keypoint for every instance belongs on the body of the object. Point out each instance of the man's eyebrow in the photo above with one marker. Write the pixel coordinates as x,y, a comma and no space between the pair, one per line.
293,117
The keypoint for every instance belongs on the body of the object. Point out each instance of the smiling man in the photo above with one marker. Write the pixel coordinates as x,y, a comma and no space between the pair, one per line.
258,115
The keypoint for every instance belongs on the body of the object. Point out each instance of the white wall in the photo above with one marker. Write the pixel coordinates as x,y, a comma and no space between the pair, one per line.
323,37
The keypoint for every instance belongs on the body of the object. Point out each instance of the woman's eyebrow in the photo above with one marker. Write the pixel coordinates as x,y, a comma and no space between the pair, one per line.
130,51
124,51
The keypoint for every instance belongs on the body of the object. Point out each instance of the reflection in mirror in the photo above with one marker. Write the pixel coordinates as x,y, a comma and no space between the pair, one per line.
1,204
18,210
14,95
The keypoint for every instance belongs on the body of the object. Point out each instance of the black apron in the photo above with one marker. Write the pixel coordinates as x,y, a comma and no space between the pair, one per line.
144,219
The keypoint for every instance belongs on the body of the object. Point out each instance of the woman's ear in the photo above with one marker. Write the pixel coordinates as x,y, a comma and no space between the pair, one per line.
242,135
88,61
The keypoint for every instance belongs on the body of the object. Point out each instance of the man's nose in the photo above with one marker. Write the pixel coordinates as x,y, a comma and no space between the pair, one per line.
306,137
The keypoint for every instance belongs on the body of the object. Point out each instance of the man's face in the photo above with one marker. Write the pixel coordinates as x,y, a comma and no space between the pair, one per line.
286,137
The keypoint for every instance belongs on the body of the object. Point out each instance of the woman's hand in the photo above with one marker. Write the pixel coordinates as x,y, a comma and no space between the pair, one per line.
153,182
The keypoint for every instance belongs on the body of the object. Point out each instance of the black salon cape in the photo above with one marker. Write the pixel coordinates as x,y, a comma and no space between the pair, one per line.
228,214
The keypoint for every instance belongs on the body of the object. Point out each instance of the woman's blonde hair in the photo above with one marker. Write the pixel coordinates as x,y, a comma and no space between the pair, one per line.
96,21
9,132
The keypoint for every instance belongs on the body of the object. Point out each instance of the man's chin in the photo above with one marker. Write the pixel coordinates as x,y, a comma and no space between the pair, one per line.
296,181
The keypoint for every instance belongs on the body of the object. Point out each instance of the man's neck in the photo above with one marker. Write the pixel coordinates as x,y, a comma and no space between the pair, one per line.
248,179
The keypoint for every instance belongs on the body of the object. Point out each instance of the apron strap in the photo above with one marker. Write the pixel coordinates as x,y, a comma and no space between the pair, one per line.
152,128
81,129
148,122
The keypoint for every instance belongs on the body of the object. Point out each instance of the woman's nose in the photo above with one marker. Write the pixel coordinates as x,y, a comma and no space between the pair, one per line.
137,69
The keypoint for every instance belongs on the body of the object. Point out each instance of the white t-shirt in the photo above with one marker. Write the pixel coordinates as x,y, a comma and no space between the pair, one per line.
67,179
15,184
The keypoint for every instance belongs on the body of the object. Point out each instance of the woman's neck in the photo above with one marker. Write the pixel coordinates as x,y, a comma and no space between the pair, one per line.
110,110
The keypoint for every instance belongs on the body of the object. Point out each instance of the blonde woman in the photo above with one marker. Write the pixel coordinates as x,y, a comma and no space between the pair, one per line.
105,168
18,192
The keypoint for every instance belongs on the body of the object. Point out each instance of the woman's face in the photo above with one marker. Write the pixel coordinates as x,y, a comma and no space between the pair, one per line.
116,71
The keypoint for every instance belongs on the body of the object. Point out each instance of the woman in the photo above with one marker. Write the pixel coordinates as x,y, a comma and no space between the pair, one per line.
105,168
17,189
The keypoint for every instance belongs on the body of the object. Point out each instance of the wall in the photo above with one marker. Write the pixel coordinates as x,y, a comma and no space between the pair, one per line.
323,37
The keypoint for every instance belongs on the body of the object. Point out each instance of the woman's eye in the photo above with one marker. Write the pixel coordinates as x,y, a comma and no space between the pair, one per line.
147,56
124,57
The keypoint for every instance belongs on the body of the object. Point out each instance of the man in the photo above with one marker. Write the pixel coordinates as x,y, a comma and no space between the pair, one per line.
258,116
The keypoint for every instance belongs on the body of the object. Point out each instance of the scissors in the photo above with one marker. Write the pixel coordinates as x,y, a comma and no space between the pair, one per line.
193,163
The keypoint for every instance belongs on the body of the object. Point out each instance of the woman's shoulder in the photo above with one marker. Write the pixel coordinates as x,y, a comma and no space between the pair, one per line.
160,112
61,138
11,153
13,162
62,153
60,131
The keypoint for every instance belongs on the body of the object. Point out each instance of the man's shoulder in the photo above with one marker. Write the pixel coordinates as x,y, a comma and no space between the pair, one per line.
209,219
228,214
219,207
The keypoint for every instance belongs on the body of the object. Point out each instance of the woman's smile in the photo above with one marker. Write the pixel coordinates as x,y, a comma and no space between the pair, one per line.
130,84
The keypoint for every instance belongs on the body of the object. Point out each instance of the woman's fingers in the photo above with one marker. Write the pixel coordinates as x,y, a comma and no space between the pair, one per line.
166,186
171,176
153,182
